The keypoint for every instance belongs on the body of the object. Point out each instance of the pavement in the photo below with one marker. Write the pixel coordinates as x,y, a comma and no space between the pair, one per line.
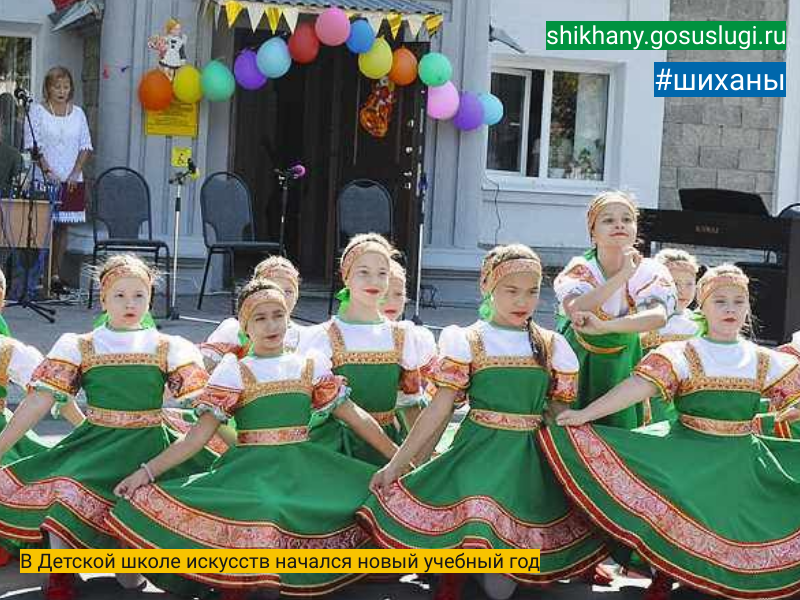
32,329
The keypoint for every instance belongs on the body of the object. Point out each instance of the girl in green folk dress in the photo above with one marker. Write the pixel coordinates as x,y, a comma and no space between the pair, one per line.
378,357
281,490
704,501
607,298
492,488
61,496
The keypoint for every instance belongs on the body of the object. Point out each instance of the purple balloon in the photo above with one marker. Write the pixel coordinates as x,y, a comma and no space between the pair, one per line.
470,112
246,71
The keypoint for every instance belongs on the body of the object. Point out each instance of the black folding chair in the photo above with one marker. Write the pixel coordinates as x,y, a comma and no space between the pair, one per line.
121,206
363,206
227,211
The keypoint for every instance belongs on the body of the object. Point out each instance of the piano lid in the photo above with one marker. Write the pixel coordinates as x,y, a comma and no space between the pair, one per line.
722,201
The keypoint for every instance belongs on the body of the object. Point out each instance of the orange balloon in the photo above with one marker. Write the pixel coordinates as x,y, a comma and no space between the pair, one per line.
155,91
404,67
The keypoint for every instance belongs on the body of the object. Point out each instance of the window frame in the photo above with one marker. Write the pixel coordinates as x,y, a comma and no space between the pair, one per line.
517,181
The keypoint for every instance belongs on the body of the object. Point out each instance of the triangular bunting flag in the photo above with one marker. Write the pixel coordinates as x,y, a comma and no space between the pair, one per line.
374,20
395,23
217,13
274,17
433,22
290,13
350,13
232,10
414,24
255,11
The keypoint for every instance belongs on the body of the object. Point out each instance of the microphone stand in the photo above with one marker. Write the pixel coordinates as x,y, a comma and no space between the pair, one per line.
25,300
285,178
423,191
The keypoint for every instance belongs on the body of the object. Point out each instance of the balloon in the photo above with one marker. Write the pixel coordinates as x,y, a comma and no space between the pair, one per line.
217,81
361,37
246,71
304,44
492,108
435,69
333,27
404,67
273,58
155,91
470,112
186,85
443,101
377,62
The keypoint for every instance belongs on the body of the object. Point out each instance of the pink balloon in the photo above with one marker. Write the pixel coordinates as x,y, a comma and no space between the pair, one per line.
443,101
333,27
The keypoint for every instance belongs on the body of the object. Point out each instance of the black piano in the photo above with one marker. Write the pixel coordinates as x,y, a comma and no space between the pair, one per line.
731,219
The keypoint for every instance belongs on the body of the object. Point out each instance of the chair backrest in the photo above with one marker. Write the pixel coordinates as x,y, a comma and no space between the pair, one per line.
790,212
364,206
227,209
122,203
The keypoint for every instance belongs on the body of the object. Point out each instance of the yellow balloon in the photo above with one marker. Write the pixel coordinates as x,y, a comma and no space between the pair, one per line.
378,61
186,85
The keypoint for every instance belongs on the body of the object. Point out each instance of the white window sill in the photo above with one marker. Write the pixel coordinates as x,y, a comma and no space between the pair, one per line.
515,183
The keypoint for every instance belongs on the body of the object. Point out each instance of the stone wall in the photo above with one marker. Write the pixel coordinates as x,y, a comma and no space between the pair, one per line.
724,143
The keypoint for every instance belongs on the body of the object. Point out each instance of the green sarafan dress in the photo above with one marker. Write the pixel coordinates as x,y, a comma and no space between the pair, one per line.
377,359
492,488
702,499
605,360
67,490
17,363
680,326
275,489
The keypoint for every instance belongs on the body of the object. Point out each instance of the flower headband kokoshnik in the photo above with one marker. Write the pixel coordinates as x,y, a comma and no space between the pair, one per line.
599,203
121,272
360,250
492,275
256,298
282,272
682,265
708,285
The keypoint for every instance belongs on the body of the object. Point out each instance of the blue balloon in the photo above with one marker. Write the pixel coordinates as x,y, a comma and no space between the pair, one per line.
361,37
273,58
492,108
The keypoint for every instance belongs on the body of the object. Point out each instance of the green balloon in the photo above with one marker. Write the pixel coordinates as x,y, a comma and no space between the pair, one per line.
435,69
217,81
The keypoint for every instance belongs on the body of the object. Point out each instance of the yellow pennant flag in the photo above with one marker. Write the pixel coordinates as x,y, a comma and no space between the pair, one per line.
232,10
395,23
433,22
274,17
290,13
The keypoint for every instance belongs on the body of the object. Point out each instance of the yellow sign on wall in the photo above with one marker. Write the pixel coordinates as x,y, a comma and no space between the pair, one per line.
179,119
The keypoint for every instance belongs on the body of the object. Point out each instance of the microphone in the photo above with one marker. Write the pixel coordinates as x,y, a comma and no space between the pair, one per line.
23,96
190,166
297,171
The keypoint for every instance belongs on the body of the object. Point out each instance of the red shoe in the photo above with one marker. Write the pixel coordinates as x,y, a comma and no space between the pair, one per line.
660,588
599,575
60,586
5,557
450,586
232,594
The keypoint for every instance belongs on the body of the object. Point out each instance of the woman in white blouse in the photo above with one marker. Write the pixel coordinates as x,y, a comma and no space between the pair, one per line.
65,144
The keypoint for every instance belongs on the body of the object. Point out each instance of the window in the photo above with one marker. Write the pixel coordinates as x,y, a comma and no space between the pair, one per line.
15,71
571,108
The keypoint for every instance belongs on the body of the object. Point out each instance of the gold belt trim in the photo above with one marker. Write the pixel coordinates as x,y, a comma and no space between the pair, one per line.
506,421
717,426
596,349
3,403
124,419
384,419
272,437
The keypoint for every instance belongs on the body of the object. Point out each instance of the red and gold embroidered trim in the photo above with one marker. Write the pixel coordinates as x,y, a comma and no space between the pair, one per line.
58,375
253,389
450,373
90,359
507,421
653,339
186,380
669,521
6,352
658,370
384,419
784,392
342,356
173,419
327,389
427,519
220,349
589,347
217,532
717,426
563,386
698,381
789,349
481,360
277,436
123,419
41,495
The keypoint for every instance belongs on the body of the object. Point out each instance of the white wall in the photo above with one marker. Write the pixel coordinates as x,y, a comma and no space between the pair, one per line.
543,215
